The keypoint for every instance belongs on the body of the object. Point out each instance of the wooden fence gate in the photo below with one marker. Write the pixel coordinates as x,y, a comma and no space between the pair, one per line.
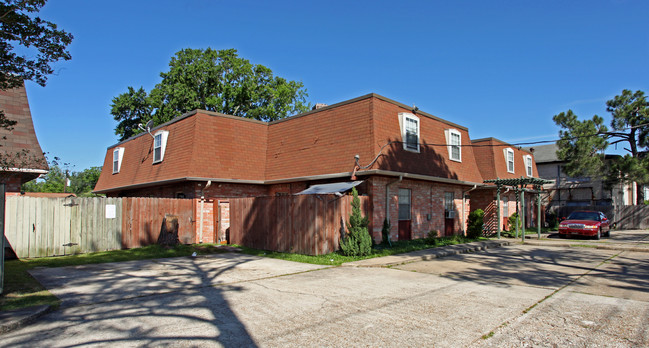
39,227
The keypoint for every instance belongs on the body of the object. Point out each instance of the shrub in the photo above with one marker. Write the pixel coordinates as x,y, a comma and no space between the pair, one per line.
475,223
551,219
431,237
385,231
513,220
357,241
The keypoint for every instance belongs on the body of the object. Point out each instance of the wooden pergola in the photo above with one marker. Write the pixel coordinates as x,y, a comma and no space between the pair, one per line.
520,186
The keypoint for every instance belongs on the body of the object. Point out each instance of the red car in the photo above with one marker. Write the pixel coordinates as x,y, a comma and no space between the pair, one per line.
585,223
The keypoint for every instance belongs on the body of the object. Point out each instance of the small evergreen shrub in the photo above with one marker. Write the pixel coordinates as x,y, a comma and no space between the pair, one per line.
431,237
552,220
385,231
513,220
475,223
357,241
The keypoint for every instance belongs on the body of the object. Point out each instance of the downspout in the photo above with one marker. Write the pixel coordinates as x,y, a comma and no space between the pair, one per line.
463,208
387,196
200,231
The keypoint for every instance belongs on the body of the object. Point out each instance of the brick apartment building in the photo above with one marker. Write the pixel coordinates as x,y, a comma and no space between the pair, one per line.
500,160
416,168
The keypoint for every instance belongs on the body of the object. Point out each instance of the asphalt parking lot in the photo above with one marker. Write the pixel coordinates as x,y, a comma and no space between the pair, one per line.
520,295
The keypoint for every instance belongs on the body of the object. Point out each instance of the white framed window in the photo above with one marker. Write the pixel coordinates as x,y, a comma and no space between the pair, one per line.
527,159
449,205
509,159
404,204
159,145
118,154
454,144
409,124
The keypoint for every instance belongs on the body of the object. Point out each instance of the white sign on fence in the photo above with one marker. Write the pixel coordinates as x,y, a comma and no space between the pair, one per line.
111,213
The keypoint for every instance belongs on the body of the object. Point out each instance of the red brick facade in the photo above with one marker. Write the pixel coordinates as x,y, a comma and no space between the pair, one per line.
245,158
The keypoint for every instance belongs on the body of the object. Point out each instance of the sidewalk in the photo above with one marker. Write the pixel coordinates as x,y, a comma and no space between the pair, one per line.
597,244
428,254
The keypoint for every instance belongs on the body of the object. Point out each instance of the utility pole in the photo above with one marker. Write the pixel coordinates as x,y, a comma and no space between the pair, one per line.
2,239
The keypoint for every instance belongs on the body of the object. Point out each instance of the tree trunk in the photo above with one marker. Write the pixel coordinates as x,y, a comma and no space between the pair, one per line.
169,231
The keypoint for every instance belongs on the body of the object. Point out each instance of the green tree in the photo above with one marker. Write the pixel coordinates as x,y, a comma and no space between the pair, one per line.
357,241
582,143
81,183
213,80
39,42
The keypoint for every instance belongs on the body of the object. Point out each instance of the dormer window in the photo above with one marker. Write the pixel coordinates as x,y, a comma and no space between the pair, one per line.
528,165
509,159
159,146
118,154
454,144
409,131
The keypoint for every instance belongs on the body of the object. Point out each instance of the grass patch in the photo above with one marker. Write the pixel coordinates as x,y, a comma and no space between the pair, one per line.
22,290
584,245
336,259
528,231
489,335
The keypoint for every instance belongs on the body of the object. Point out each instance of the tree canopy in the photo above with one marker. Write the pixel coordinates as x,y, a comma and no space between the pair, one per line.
582,143
28,47
213,80
81,183
20,27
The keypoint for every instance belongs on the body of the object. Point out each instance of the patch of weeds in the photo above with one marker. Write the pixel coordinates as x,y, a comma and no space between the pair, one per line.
489,335
583,245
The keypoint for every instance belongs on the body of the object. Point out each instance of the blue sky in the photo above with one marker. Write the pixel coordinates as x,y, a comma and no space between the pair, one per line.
500,68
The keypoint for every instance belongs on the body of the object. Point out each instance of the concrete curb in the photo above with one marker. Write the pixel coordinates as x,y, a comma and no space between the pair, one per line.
17,318
591,245
427,254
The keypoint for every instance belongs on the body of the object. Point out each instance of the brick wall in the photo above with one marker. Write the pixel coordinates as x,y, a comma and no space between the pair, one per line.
427,206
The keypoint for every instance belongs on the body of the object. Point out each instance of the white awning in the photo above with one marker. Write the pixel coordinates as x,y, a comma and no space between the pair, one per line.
330,188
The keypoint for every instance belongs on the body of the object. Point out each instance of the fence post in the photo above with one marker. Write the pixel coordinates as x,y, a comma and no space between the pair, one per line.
2,240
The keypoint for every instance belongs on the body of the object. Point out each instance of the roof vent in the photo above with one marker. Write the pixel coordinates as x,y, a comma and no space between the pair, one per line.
319,106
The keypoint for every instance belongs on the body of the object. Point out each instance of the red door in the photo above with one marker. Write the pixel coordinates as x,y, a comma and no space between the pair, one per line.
449,225
404,230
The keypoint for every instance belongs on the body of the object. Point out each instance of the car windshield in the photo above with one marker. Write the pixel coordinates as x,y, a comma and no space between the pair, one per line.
584,215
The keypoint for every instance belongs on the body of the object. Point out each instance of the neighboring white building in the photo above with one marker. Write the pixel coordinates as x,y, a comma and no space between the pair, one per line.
577,191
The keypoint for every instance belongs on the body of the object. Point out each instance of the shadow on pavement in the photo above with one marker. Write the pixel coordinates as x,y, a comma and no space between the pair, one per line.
148,296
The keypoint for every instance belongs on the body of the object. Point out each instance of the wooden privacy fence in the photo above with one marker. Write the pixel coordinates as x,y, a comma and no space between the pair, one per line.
143,219
39,227
304,224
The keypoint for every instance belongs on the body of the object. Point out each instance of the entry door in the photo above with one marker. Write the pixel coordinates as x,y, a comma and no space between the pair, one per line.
405,231
449,213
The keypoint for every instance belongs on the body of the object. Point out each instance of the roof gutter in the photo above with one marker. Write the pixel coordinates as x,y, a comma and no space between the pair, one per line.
300,178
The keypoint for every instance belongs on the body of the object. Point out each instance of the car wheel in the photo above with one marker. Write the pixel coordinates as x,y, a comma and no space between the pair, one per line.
608,233
598,236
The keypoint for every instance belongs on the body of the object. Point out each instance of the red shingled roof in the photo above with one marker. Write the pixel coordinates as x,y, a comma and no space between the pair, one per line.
490,157
15,105
205,145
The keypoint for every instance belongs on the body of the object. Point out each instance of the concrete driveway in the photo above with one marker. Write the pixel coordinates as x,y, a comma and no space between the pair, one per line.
518,295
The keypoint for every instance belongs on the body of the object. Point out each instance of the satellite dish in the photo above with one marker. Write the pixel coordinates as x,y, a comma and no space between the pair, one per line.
149,125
